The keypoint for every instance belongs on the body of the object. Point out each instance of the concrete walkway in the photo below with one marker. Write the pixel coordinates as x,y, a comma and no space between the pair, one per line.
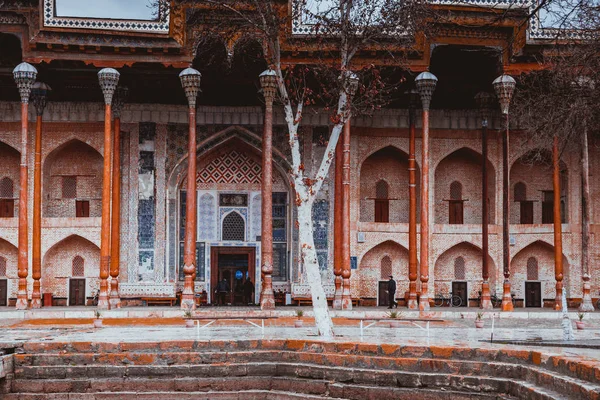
289,311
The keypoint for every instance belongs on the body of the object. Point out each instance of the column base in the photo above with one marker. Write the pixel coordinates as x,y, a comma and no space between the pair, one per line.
507,304
346,296
337,298
267,302
486,301
103,295
22,303
36,303
424,298
36,297
586,303
413,303
558,298
114,299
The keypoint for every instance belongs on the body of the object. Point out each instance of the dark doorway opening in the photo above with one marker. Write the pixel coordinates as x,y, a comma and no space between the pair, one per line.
460,289
383,299
533,294
236,265
77,292
3,292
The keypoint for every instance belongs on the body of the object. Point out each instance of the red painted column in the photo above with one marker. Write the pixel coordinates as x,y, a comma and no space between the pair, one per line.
346,271
412,214
22,262
506,295
486,302
36,245
558,259
424,270
337,226
105,221
189,246
267,298
115,247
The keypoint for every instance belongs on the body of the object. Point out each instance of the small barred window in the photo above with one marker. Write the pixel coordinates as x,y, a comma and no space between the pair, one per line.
78,266
532,269
459,269
520,192
455,191
2,266
69,187
6,188
234,227
386,267
381,189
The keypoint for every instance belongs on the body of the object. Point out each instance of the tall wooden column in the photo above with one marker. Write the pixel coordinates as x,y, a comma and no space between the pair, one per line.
425,83
39,93
115,236
337,225
412,206
190,81
504,86
586,303
558,259
346,270
268,81
506,294
24,75
486,302
108,79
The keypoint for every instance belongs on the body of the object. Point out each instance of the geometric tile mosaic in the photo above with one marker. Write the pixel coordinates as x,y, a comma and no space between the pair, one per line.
231,167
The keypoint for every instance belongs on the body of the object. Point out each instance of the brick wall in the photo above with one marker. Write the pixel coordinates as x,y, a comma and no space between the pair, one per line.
368,275
66,161
10,159
11,254
463,166
58,263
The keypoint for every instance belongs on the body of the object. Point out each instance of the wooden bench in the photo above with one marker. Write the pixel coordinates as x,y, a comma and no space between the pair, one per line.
170,301
307,301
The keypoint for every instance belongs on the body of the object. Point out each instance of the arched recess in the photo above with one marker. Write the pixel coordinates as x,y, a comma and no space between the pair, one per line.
230,162
366,279
543,253
10,255
389,165
57,267
10,160
462,167
72,181
449,262
533,171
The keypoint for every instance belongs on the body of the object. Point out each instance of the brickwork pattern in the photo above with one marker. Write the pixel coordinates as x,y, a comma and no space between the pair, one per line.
10,159
59,262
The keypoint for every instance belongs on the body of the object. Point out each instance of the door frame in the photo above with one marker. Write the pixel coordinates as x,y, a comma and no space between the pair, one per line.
215,251
69,290
6,298
541,294
466,303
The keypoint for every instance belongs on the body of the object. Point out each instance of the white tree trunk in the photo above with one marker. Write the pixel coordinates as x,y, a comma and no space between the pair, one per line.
311,265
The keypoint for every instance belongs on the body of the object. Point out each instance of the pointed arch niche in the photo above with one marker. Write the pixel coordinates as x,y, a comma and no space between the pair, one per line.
384,187
458,188
228,177
63,259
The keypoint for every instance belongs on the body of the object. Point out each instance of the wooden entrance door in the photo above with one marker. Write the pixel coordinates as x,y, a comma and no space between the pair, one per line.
460,289
77,292
533,294
220,270
383,299
455,212
3,292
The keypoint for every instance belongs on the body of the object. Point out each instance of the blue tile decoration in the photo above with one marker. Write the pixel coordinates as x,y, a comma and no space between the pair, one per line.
146,199
320,214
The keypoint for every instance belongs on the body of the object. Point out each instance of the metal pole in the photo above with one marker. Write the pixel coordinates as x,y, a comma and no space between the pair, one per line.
506,296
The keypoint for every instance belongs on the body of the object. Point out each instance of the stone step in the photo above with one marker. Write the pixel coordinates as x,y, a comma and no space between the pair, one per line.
321,367
300,383
570,366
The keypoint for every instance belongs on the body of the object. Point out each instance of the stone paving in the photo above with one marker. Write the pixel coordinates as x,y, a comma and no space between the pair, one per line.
456,331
